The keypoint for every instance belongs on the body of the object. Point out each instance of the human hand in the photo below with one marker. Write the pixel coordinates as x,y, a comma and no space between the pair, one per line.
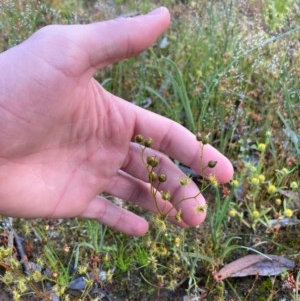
64,139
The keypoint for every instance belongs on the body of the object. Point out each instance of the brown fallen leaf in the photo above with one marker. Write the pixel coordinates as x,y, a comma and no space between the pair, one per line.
262,265
294,197
4,296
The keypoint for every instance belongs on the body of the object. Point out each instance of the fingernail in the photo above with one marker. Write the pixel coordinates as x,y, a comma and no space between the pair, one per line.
157,11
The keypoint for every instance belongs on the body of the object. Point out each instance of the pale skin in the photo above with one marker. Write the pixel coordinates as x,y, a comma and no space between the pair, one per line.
64,139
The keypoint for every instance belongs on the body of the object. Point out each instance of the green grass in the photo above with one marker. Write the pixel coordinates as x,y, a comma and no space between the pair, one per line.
227,69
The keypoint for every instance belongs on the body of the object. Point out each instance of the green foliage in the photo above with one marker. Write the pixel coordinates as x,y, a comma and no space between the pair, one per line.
20,19
276,13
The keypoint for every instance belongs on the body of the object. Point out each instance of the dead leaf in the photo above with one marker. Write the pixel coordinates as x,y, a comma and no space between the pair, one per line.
284,222
4,296
293,196
262,265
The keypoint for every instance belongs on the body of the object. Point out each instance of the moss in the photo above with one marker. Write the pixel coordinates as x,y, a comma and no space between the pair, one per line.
264,289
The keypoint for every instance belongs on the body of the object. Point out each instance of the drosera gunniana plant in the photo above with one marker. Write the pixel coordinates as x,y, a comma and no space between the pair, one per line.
265,200
20,283
151,163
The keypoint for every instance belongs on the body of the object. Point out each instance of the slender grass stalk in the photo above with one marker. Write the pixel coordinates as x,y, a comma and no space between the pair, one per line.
179,89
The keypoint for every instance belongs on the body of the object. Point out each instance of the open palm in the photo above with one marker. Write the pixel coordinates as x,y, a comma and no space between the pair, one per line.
64,139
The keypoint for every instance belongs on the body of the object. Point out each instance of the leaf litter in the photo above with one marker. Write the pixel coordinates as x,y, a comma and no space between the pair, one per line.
255,264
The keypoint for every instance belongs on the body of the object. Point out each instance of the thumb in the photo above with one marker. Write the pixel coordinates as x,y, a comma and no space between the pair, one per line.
111,41
81,48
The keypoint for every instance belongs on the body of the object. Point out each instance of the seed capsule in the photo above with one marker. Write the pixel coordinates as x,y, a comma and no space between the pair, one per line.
212,164
139,139
152,176
165,195
152,161
148,142
162,178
